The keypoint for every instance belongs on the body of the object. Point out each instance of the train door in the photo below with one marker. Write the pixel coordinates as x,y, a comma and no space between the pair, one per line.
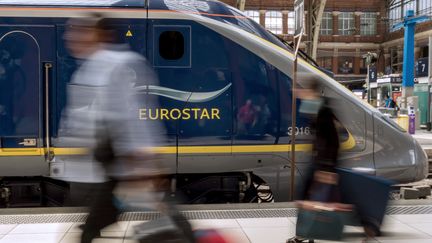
195,95
26,69
256,111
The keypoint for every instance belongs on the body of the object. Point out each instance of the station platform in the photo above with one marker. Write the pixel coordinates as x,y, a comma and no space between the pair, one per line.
256,223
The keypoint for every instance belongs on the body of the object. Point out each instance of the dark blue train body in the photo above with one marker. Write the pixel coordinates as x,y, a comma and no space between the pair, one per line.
224,94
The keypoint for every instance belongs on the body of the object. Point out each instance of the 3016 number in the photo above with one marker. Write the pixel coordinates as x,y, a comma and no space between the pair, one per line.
300,131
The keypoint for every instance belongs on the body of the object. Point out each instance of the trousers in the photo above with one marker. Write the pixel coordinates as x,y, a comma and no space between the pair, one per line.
103,211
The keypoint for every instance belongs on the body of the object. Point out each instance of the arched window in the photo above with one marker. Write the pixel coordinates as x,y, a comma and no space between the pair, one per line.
253,14
273,21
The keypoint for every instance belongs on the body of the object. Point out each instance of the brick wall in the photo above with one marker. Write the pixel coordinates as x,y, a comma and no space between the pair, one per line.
336,5
334,44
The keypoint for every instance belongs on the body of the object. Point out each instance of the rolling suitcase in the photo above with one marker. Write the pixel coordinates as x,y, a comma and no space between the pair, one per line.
322,216
369,194
323,221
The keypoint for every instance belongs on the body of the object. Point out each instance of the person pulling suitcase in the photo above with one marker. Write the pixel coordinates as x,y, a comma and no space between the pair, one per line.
320,211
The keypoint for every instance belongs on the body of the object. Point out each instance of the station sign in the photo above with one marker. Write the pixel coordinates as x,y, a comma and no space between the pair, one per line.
396,88
396,80
422,67
422,80
384,80
372,74
299,17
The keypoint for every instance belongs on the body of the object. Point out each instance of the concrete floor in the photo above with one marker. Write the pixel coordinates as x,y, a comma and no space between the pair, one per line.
397,228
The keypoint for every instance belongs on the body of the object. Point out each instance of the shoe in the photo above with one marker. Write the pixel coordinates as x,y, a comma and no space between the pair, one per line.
81,227
296,239
87,237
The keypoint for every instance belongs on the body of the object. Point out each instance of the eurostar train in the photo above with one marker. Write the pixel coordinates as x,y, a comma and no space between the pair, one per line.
225,98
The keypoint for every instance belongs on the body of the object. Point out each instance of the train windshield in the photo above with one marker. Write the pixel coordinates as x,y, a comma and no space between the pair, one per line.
80,3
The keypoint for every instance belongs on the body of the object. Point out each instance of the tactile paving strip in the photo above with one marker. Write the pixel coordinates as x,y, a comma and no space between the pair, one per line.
409,210
42,218
201,214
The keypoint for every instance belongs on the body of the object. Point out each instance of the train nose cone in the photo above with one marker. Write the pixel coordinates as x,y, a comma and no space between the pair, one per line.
421,162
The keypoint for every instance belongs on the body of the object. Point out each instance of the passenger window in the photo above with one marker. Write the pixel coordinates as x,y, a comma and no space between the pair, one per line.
171,45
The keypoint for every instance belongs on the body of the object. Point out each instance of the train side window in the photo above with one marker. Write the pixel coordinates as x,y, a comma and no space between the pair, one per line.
172,46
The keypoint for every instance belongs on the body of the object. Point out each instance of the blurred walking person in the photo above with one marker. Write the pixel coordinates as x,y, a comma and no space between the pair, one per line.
321,183
104,87
325,142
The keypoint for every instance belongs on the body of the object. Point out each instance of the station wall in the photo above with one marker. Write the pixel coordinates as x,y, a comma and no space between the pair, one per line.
353,28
